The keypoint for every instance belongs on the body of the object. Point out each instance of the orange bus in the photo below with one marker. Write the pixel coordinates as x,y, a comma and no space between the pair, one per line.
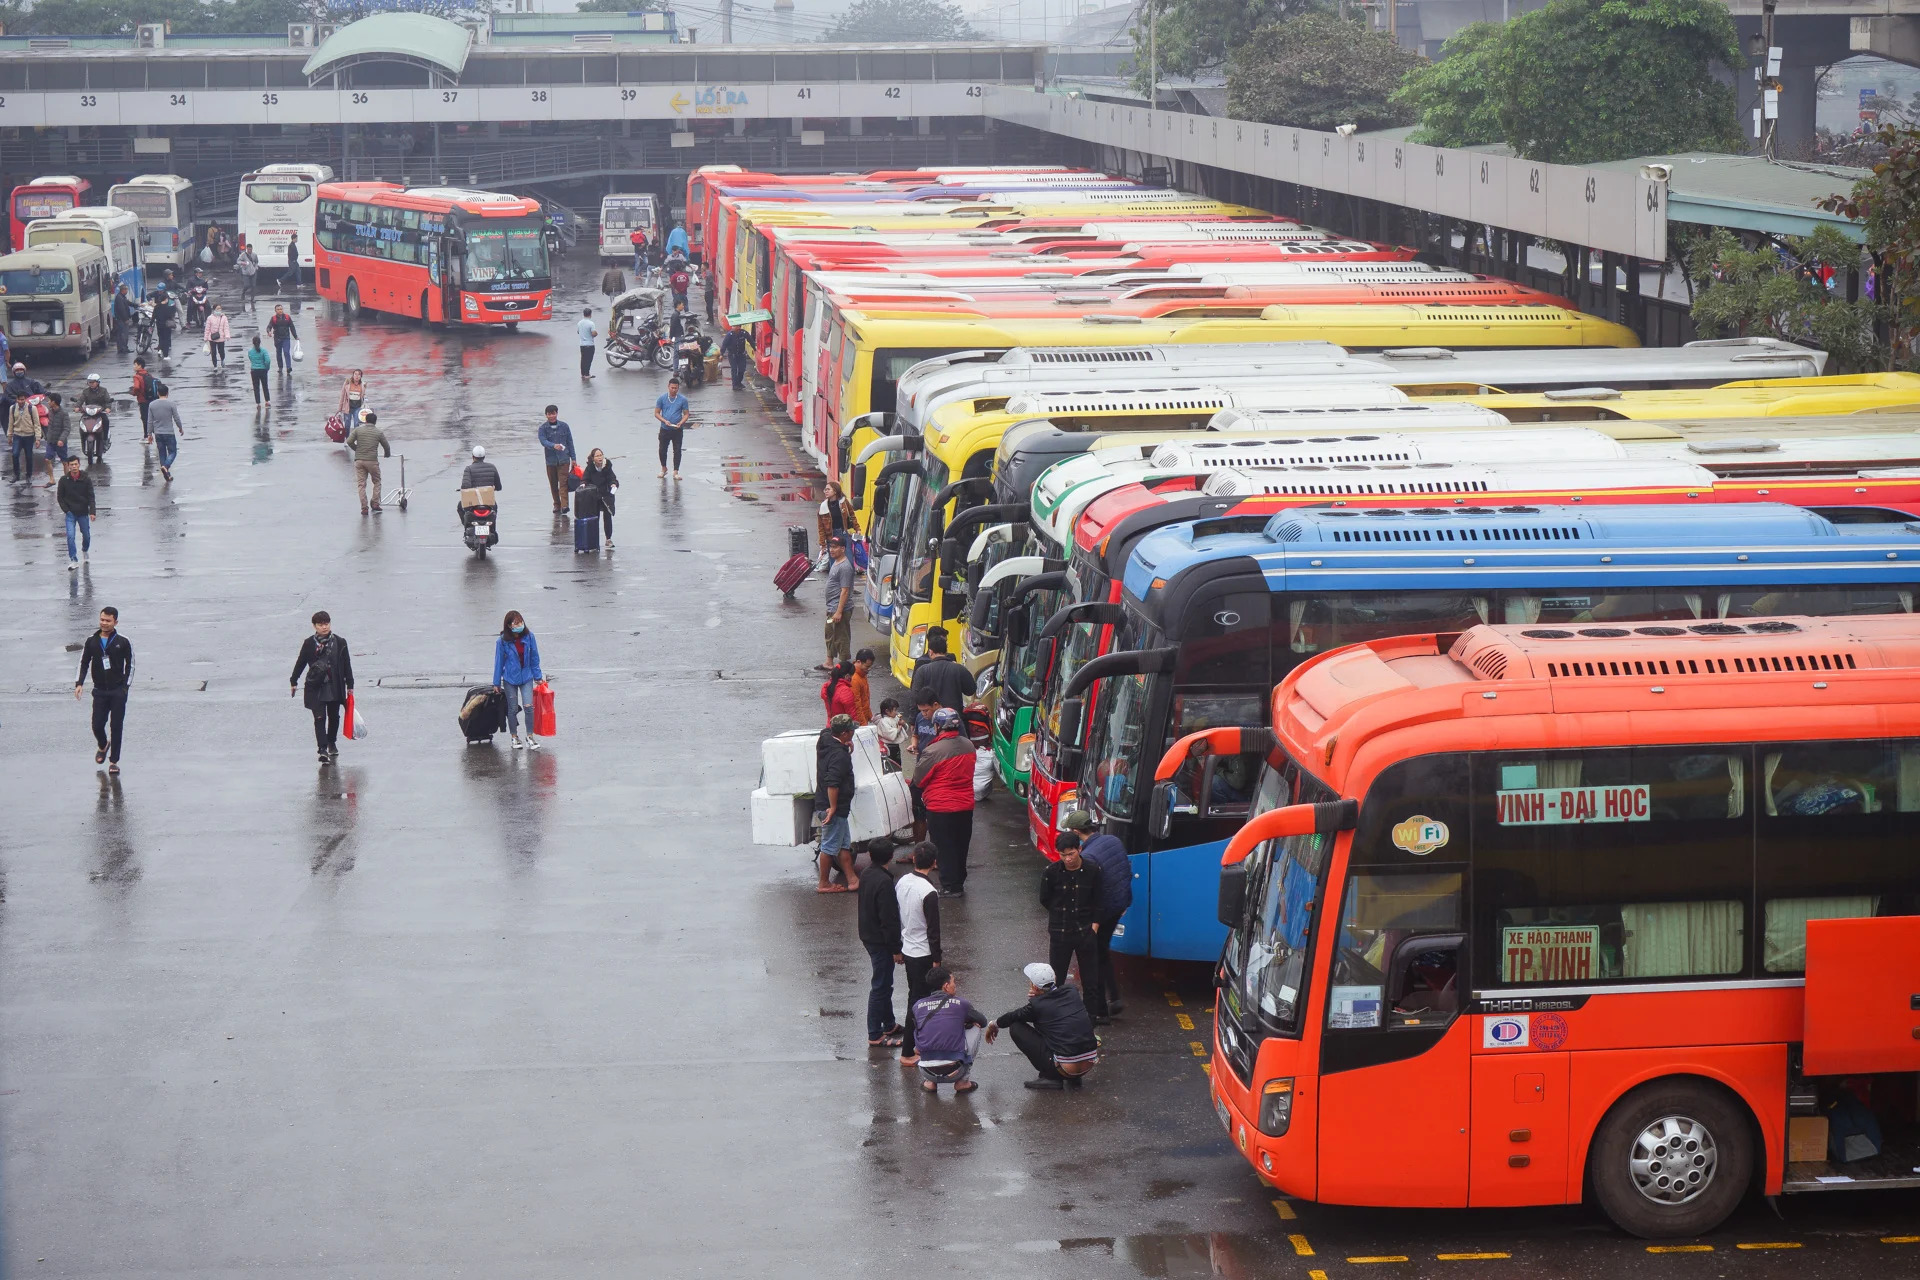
440,254
1527,914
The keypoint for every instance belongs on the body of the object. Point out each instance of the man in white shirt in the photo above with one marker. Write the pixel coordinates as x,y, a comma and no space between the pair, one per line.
919,935
589,335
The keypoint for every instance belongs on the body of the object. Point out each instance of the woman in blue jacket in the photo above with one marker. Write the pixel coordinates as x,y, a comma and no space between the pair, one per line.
516,666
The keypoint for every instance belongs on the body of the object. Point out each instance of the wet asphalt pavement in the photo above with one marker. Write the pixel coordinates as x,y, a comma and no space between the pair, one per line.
443,1011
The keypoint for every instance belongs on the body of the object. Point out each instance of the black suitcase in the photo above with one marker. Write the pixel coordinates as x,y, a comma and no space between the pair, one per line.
483,713
586,533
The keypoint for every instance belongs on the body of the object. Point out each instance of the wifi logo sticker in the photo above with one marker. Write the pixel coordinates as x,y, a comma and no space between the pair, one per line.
1420,835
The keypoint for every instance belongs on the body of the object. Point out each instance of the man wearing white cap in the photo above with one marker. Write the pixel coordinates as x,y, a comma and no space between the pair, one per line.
1052,1028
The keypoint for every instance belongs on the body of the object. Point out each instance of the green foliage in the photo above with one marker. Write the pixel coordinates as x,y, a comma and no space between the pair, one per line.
1318,71
1887,204
1201,35
1585,81
1453,98
1741,292
882,20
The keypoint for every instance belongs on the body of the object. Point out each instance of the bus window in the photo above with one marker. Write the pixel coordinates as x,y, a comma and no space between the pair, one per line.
1266,957
1327,620
889,366
1602,605
1226,641
1214,786
1396,961
1815,602
1839,836
1114,752
1625,864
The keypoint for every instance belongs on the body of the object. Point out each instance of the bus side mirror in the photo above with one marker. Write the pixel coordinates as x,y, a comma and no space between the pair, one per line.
1232,908
1019,626
857,491
1068,755
1160,812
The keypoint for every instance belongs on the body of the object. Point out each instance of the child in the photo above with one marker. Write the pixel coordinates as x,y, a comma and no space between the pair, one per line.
893,729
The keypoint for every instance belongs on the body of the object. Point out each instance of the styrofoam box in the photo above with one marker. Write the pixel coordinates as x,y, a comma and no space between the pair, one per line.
880,808
783,820
869,761
786,763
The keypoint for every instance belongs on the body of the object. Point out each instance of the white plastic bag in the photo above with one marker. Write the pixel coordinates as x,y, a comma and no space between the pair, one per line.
359,733
299,353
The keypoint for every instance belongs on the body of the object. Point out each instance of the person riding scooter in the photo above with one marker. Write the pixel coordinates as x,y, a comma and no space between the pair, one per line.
96,418
690,354
479,523
479,474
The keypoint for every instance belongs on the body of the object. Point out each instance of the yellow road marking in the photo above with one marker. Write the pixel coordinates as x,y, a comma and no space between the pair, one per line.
1199,1049
1207,1067
1900,1239
1781,1244
1300,1246
1285,1210
1316,1275
1391,1257
1186,1023
1470,1257
1679,1248
1174,1000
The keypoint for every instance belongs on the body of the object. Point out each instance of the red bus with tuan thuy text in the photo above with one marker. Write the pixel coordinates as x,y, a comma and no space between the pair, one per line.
441,254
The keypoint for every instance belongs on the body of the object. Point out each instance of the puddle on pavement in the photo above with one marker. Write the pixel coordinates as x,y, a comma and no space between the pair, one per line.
756,480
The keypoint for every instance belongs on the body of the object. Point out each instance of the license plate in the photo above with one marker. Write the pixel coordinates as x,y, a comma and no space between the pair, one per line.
1226,1116
482,530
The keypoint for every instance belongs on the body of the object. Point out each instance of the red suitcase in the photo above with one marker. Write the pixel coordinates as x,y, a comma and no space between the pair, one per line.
792,574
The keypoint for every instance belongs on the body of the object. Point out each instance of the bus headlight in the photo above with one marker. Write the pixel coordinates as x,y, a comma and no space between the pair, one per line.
917,642
470,304
1023,755
1069,803
886,592
1276,1106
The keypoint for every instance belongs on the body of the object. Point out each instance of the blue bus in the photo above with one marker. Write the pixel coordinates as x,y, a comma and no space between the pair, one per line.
1216,611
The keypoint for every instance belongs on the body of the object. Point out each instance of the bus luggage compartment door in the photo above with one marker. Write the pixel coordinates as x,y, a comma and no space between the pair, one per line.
1518,1154
1863,996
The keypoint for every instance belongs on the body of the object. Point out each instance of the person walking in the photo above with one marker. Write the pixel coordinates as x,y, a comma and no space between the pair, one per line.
839,627
1108,853
677,241
950,682
1052,1028
947,1031
165,315
141,389
23,425
944,775
556,443
1070,892
679,280
834,785
733,346
862,691
919,936
218,331
879,912
107,656
365,442
122,318
258,363
589,339
328,664
75,498
837,693
281,330
516,666
598,484
163,424
353,397
59,423
638,240
293,260
247,263
613,282
672,412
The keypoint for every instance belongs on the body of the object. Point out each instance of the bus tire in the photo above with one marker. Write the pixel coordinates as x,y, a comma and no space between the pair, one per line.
1672,1158
512,326
423,306
353,298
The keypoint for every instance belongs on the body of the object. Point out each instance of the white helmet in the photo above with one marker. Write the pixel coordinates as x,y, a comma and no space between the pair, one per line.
479,451
93,377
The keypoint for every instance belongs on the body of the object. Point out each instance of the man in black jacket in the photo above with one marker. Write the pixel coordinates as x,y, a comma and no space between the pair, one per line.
328,664
1070,891
880,935
1116,895
75,496
109,657
1053,1030
833,801
949,681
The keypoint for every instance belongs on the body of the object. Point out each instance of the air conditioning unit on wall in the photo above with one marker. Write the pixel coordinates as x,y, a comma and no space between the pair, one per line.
151,35
300,35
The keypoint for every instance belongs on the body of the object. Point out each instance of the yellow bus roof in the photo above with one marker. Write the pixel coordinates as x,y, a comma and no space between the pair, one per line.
1780,397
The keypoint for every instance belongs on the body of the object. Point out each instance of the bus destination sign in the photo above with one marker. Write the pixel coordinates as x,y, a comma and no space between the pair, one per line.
1573,806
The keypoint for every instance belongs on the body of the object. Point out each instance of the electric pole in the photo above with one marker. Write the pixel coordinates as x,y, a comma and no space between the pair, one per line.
726,21
1153,56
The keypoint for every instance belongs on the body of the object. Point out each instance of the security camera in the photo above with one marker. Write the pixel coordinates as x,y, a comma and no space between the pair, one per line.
1346,130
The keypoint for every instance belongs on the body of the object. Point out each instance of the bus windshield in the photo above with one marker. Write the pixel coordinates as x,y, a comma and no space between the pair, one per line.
506,253
144,202
1266,956
916,550
42,281
277,192
66,233
899,491
1020,668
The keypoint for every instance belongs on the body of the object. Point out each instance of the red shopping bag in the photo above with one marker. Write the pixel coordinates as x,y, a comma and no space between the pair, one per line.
545,723
347,727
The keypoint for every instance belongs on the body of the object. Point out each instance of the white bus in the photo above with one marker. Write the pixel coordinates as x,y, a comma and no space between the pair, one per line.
56,297
277,201
164,204
619,215
114,232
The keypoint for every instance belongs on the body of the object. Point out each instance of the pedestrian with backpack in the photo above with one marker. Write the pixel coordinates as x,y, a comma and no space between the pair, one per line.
328,665
23,432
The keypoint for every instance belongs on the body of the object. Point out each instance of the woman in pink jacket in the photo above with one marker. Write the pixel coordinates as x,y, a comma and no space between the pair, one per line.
218,331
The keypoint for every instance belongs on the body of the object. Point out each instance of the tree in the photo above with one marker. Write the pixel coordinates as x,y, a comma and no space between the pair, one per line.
1200,35
1318,71
1586,81
915,20
1887,204
1453,98
1742,292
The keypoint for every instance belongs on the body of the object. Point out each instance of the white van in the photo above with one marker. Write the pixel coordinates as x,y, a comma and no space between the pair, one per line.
620,215
113,231
55,298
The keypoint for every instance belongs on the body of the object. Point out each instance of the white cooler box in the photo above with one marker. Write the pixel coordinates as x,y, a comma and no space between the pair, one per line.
869,759
787,761
881,806
781,820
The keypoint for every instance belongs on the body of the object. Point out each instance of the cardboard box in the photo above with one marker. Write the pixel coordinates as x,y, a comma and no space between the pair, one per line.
1806,1139
481,497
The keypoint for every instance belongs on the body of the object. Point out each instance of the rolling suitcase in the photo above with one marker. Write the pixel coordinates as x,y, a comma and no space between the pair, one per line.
483,713
792,574
586,533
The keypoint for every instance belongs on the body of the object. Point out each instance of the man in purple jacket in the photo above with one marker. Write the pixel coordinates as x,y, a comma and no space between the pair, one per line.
947,1031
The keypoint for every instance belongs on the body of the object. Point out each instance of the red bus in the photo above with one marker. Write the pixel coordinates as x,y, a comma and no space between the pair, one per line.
440,254
43,198
1528,914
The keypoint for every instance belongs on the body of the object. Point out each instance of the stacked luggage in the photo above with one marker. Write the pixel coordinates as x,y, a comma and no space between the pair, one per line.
782,805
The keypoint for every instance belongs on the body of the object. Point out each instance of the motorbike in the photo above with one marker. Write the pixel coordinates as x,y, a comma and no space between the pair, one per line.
643,344
482,529
93,432
553,241
690,359
197,306
143,335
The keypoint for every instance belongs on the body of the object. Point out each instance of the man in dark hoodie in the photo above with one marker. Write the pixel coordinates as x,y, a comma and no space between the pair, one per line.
1053,1030
1116,896
833,801
1070,890
880,935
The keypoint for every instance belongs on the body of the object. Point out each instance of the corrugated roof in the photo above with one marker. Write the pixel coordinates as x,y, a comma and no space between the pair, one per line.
410,36
1751,193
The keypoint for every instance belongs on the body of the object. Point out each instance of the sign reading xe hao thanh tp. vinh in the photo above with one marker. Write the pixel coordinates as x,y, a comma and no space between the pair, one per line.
1550,953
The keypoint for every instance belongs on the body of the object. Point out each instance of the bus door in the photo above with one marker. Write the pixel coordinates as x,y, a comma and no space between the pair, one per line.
1396,1085
452,271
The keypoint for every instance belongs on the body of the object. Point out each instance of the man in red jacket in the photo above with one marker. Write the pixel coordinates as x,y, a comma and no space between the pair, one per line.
945,779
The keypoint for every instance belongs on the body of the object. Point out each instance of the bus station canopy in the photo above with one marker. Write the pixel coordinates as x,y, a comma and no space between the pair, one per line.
417,38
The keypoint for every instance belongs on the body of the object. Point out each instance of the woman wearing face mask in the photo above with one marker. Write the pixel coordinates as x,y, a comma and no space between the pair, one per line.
516,667
353,398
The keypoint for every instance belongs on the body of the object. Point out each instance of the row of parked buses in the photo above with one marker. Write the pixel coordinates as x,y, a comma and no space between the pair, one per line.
1520,720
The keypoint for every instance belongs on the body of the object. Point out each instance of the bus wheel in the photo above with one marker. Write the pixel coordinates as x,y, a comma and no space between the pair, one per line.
353,297
1672,1158
512,325
423,306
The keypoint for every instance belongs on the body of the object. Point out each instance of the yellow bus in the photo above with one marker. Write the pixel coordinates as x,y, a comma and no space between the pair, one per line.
1751,398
